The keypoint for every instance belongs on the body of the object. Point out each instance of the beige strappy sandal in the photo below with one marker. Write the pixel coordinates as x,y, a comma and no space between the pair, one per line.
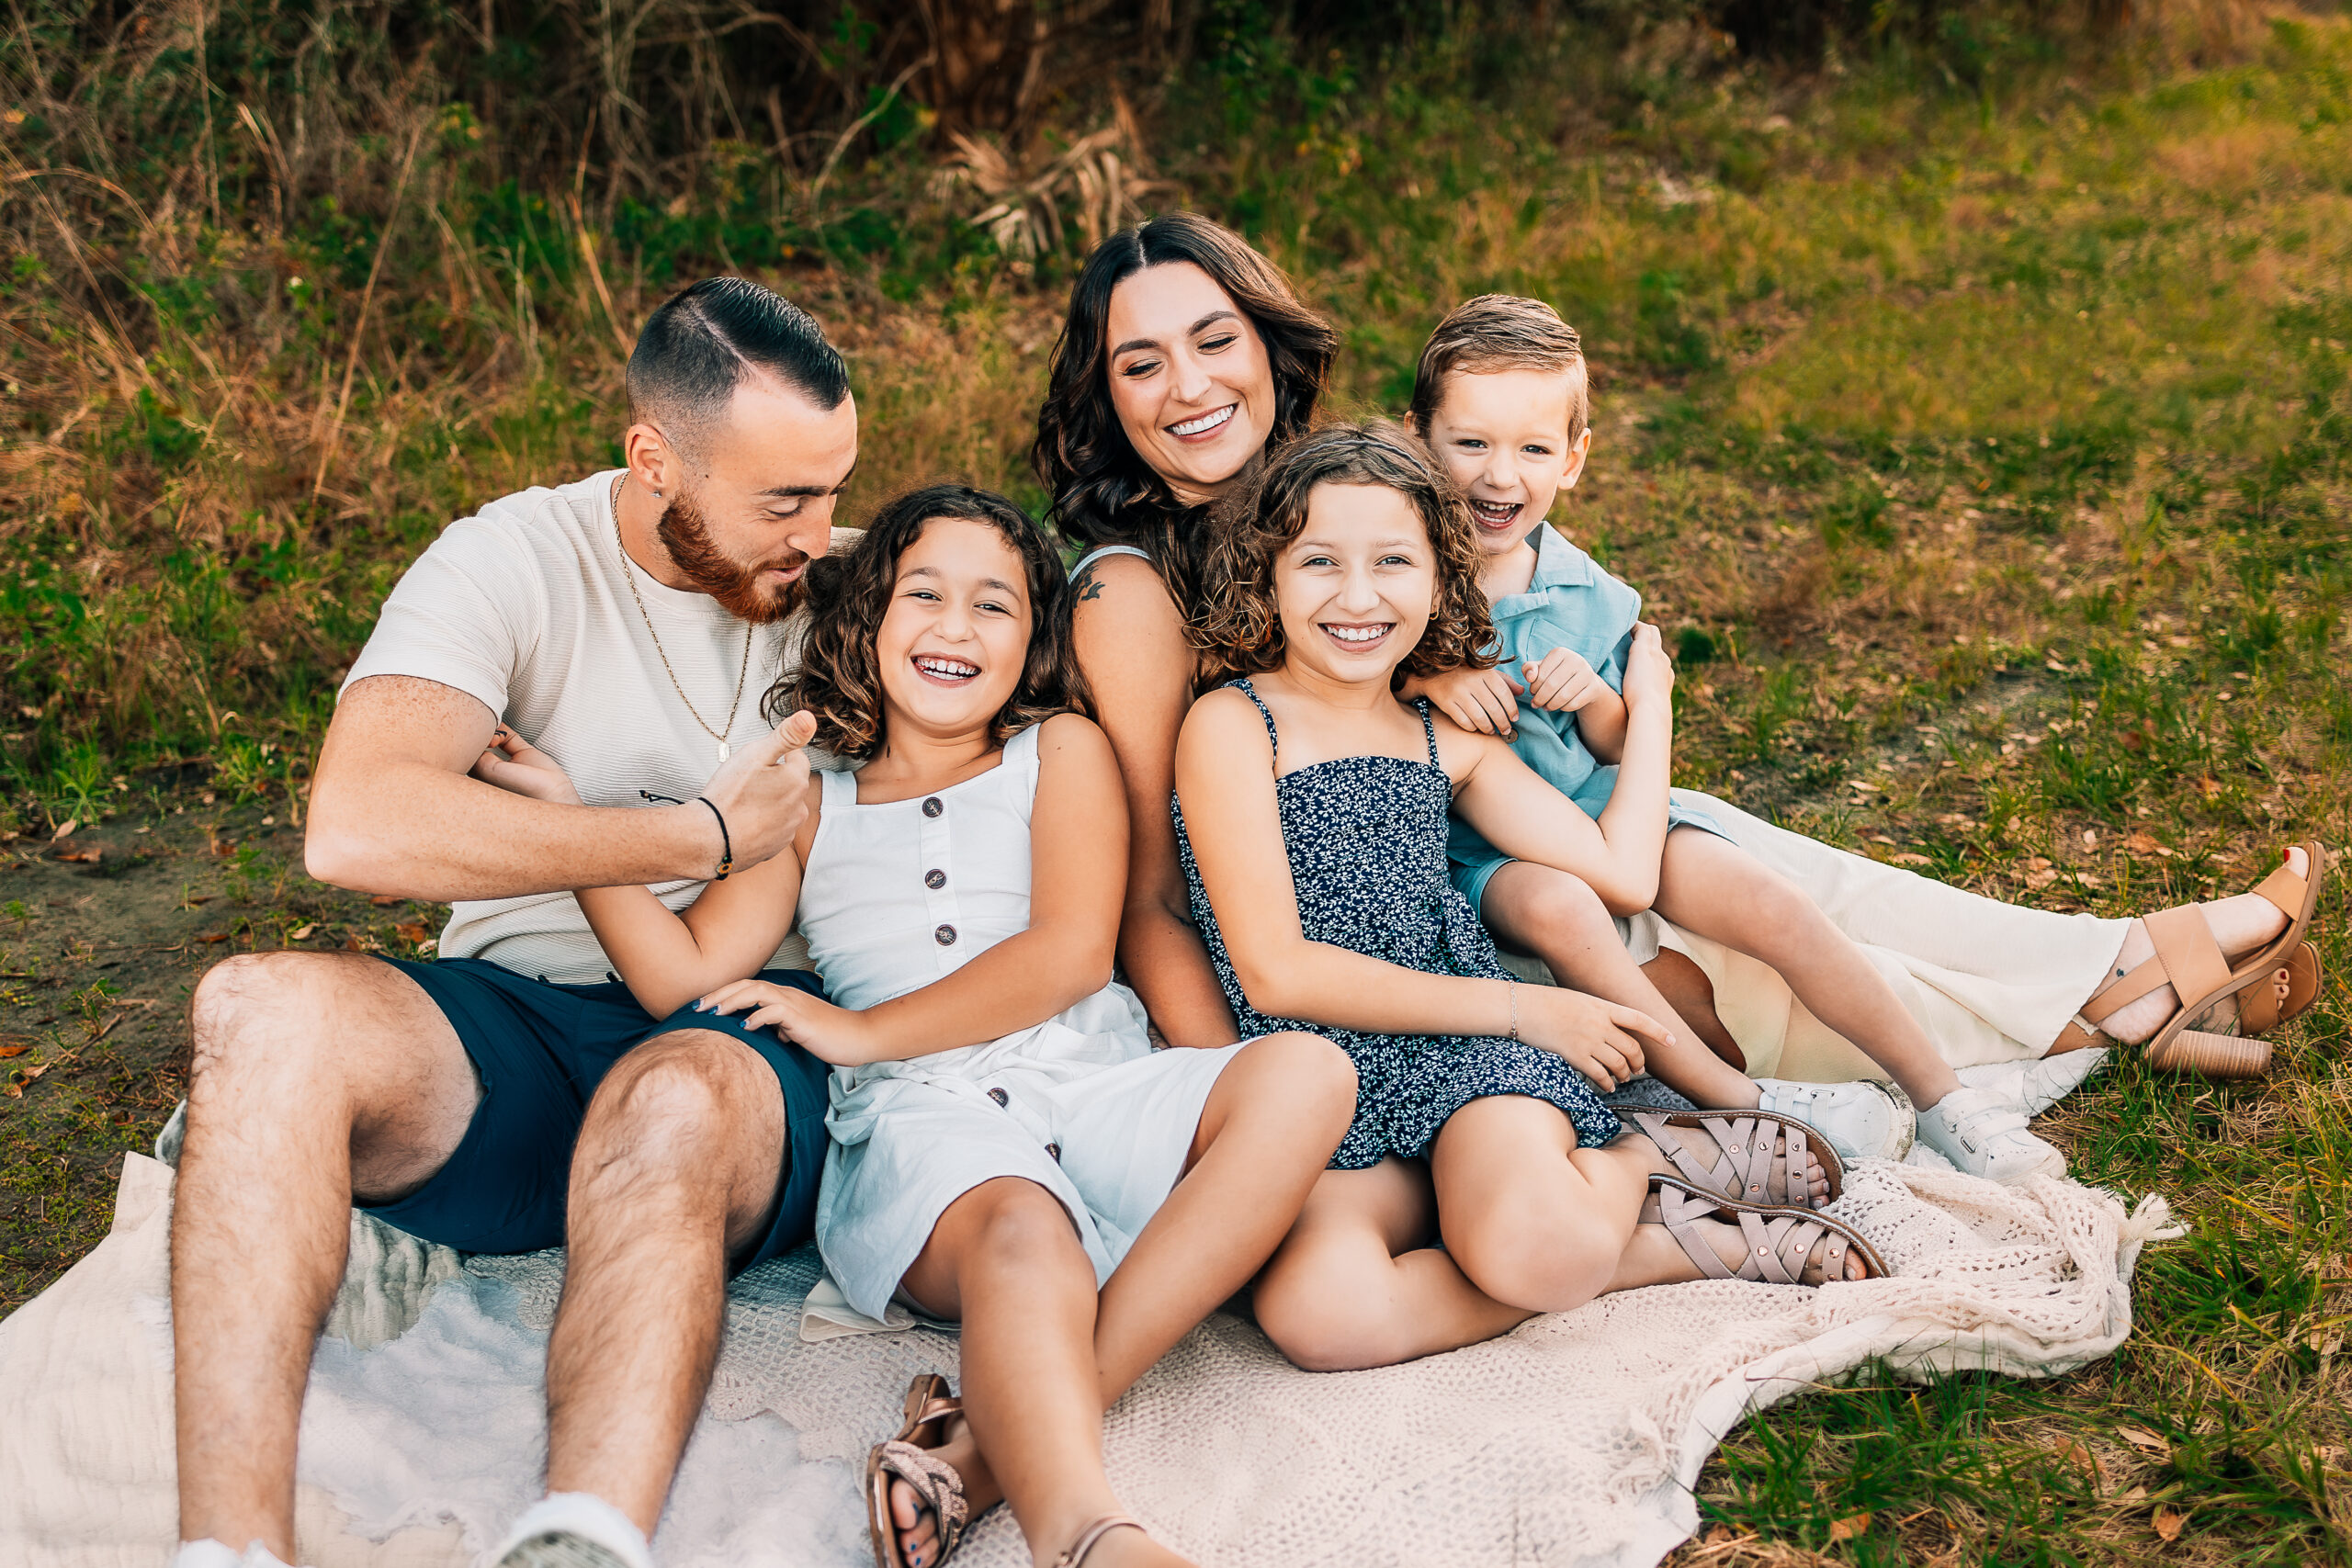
1076,1552
1779,1239
1732,1158
2272,985
907,1458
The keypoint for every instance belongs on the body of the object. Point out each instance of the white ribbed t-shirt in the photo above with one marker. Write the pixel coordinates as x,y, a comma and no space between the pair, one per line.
525,606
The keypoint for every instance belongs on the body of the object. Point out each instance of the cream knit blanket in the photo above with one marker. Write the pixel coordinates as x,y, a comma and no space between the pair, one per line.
1573,1440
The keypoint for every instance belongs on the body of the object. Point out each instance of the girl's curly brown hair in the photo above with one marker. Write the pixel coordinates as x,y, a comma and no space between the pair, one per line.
1238,629
838,682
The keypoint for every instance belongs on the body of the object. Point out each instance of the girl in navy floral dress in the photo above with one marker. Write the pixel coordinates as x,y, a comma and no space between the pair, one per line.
1312,819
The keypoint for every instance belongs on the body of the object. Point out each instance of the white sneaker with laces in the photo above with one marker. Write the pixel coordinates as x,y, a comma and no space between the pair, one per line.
1860,1121
1985,1135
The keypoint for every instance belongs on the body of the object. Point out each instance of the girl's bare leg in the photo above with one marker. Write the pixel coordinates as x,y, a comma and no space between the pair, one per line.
1547,1225
1005,1260
1711,887
1266,1132
1562,921
1358,1282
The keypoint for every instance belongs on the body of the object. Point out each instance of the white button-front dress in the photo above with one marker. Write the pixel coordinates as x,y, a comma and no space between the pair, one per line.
896,896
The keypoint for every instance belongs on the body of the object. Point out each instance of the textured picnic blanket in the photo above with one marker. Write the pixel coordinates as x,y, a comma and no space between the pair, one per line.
1573,1439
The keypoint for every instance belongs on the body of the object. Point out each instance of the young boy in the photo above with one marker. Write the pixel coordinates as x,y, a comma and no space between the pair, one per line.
1501,396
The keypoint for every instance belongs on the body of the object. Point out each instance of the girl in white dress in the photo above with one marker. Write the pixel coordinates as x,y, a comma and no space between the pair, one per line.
1009,1149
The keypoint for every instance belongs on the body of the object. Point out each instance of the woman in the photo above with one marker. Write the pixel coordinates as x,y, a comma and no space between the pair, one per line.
1185,355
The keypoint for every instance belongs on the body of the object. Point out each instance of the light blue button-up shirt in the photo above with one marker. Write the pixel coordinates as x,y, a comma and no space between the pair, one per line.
1570,603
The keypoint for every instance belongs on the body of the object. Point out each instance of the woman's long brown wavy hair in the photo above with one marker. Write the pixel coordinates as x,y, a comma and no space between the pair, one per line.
1103,492
839,681
1238,629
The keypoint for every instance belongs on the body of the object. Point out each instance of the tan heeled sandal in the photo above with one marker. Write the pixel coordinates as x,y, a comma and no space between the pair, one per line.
1077,1551
907,1458
2189,961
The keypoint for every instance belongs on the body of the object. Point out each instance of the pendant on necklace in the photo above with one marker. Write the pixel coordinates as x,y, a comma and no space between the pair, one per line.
722,751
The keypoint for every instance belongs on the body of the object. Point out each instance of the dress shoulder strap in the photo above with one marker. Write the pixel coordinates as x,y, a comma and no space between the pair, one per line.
1091,556
1428,730
1265,713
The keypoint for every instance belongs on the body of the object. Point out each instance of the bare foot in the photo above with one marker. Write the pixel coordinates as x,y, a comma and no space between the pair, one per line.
2239,925
918,1525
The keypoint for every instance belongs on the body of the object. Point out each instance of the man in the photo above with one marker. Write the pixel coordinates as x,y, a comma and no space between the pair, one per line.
510,1095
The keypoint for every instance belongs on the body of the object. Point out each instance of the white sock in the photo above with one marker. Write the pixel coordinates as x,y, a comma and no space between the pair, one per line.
213,1554
208,1554
585,1515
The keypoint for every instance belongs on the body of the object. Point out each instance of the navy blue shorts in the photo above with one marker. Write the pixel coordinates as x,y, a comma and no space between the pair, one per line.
540,1050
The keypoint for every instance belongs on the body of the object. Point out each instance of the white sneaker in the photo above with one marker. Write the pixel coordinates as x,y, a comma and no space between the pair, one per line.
1860,1121
573,1529
214,1554
1985,1135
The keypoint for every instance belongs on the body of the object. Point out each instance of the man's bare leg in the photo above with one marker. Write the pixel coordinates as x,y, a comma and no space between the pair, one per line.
678,1166
317,1078
1267,1130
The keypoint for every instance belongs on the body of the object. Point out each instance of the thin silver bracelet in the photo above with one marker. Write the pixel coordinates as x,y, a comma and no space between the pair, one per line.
1510,989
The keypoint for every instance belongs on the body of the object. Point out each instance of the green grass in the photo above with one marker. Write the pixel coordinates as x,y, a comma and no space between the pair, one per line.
1979,437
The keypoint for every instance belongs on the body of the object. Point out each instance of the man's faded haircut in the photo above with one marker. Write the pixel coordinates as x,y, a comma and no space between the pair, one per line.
706,341
1501,331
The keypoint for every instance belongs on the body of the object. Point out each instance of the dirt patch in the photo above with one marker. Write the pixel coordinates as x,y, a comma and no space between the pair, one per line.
103,936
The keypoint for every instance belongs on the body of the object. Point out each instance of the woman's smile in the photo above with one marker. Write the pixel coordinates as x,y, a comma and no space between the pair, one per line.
1206,426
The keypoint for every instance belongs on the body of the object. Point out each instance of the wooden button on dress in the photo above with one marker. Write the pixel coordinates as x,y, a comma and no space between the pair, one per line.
934,879
933,806
944,936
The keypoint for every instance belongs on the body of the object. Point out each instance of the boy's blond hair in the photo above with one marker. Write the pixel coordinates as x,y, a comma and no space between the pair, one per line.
1501,331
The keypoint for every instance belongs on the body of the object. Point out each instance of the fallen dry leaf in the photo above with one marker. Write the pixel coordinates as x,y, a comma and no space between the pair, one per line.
410,933
2071,1450
301,932
1850,1526
2210,786
216,936
1907,858
84,857
2142,842
204,899
2141,1438
23,1076
385,900
67,831
2168,1521
7,1051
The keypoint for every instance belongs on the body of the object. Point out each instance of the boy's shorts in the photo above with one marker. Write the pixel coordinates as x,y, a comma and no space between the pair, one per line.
540,1050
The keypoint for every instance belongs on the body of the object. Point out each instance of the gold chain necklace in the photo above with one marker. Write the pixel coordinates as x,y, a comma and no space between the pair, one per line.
629,569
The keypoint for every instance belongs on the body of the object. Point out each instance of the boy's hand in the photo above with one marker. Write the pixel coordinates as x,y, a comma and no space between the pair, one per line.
832,1034
1599,1039
517,766
1482,700
1649,673
1564,682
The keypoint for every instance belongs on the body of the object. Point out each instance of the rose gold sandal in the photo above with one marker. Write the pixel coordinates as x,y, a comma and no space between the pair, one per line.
1778,1238
2188,960
1734,1159
1076,1554
906,1458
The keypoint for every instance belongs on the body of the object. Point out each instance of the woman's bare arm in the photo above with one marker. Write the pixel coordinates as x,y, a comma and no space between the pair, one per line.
1130,643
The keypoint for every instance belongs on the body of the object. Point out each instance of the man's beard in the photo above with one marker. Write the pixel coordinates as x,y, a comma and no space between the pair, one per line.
687,535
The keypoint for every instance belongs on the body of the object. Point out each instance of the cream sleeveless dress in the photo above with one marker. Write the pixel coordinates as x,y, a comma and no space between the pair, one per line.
899,894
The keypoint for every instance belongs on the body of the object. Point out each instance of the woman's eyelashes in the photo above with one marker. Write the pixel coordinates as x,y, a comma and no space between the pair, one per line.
1137,370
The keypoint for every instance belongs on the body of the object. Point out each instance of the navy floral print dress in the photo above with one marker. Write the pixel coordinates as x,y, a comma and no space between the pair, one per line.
1366,838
